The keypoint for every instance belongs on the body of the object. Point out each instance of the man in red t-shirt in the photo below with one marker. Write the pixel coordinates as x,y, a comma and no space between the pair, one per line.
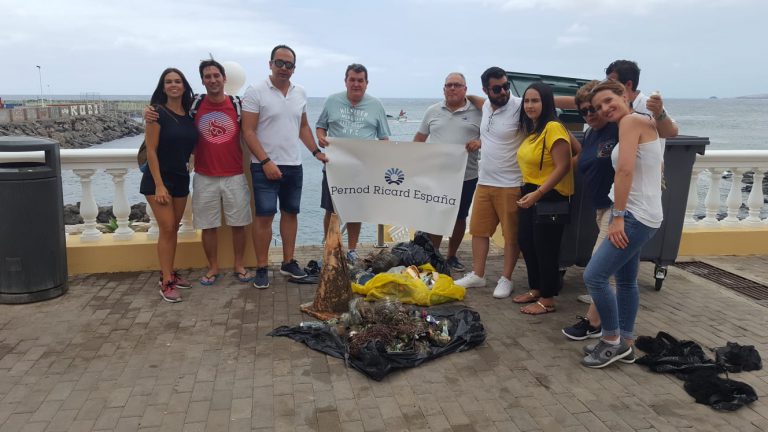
219,177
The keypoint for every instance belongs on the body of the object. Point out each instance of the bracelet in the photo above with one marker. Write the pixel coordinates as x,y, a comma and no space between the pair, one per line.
539,191
662,116
316,151
265,161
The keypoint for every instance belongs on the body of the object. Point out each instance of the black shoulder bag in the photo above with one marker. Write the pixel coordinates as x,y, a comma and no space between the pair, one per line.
552,211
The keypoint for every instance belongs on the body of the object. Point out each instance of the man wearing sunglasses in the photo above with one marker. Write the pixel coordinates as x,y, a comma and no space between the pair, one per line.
274,127
499,182
455,121
350,114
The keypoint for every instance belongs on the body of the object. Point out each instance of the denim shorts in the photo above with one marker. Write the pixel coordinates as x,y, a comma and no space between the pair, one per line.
287,190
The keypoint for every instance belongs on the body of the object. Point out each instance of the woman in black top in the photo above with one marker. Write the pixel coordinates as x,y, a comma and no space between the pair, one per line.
170,142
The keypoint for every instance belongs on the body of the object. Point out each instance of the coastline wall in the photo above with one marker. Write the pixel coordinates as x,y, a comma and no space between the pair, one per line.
71,131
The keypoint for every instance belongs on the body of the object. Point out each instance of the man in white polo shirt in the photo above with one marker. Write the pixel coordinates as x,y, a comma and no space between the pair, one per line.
455,120
499,182
274,126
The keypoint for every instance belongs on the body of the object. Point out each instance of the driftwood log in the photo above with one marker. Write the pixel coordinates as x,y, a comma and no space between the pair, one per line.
334,290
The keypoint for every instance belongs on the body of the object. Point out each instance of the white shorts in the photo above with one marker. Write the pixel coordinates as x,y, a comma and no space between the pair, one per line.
208,194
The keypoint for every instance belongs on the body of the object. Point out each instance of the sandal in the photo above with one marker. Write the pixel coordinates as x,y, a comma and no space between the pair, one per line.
528,297
245,276
209,280
529,310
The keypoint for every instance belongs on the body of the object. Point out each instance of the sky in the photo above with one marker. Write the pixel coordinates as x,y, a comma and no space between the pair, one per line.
685,48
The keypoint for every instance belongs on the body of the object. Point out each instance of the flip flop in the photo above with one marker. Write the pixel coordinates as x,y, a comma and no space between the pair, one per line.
544,309
530,297
246,276
209,280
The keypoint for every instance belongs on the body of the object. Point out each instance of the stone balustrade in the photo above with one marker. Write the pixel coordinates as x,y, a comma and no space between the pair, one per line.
710,172
718,168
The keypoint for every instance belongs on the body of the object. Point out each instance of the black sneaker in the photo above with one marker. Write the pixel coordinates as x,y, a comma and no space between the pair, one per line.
582,330
454,264
604,354
262,278
292,269
629,359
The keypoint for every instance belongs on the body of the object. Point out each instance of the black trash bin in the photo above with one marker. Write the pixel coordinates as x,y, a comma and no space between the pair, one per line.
581,234
33,250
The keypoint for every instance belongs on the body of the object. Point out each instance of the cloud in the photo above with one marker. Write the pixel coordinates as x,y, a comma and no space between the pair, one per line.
593,7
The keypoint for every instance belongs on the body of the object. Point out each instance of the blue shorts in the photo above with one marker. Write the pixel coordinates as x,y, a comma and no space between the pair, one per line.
267,192
467,193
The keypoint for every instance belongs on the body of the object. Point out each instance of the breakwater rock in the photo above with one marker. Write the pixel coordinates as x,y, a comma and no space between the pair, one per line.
77,132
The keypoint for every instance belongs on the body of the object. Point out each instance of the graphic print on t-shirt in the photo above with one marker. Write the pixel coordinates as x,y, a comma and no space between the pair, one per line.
216,127
352,120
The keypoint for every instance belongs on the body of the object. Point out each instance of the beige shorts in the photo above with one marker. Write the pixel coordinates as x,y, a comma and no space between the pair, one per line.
603,219
210,193
493,205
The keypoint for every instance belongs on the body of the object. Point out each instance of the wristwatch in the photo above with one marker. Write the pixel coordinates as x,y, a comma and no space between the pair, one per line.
662,116
265,161
316,151
618,213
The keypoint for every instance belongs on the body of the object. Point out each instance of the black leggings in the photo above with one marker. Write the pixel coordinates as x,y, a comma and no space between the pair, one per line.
540,244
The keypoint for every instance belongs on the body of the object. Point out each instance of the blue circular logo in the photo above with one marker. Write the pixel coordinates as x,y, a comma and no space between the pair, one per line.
394,176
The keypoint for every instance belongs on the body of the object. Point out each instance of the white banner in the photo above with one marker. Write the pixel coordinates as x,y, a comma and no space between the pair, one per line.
417,185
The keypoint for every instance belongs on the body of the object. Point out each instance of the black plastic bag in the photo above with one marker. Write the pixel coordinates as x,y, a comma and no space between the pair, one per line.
666,354
736,358
719,393
420,251
374,361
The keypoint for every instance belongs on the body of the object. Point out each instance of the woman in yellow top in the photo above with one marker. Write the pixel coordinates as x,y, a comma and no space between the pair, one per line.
545,161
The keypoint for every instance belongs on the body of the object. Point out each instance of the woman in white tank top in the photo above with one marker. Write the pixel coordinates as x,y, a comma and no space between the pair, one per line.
636,216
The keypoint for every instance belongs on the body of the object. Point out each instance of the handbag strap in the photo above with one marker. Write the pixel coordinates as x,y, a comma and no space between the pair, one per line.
570,157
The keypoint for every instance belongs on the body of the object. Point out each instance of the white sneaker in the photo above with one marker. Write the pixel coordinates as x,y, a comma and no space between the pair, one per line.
503,288
471,280
585,298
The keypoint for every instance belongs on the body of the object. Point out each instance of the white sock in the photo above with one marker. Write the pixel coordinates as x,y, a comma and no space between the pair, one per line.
614,343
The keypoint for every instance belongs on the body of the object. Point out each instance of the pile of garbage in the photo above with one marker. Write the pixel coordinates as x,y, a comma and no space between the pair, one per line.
379,337
414,272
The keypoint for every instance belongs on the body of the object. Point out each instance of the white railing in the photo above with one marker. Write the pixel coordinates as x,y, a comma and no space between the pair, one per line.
84,163
708,173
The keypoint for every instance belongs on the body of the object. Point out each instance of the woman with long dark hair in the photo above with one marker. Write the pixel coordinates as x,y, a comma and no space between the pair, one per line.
169,142
545,161
636,215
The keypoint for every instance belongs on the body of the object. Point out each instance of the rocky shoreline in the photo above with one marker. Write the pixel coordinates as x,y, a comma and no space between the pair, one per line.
77,132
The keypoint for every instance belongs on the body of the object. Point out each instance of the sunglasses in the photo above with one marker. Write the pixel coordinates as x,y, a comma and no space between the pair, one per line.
585,111
454,85
498,88
280,63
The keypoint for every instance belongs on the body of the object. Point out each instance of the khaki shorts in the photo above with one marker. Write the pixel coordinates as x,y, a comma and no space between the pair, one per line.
603,219
208,195
493,205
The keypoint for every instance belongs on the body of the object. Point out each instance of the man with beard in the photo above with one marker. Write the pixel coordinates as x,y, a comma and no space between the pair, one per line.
455,120
499,182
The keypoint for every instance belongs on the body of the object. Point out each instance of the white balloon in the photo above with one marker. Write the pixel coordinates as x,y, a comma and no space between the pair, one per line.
235,77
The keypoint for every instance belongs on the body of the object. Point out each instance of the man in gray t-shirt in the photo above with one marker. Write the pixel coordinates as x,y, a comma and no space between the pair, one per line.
455,121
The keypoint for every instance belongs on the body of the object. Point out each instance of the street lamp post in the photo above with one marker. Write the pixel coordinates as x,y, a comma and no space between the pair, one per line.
40,75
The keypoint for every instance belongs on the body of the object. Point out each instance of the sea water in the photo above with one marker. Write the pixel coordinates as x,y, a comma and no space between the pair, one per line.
730,124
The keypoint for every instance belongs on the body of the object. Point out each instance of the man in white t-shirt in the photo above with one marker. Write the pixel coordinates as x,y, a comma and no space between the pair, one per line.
274,127
627,72
499,182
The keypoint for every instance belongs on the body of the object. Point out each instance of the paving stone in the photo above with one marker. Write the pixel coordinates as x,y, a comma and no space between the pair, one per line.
113,357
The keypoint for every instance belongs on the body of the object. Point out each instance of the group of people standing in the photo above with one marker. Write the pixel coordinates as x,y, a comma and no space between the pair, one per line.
271,119
524,173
